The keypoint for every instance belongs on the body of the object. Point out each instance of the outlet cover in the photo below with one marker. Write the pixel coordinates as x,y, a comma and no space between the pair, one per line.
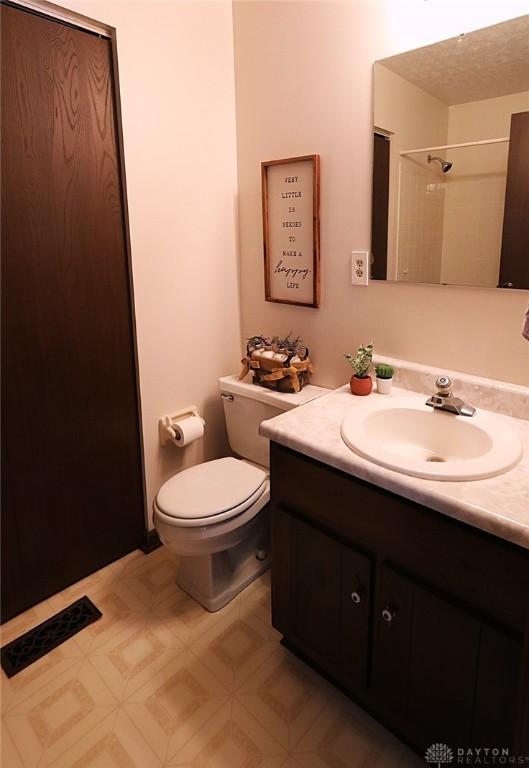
360,268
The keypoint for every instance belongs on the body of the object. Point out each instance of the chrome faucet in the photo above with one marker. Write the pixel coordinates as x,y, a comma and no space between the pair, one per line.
443,399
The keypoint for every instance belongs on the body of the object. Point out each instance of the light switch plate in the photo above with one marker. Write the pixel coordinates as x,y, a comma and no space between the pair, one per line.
360,268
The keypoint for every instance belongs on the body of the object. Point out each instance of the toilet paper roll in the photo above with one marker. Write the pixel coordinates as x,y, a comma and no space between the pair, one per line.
188,430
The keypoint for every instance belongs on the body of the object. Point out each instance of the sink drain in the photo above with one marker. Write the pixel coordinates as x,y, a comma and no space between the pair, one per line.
435,458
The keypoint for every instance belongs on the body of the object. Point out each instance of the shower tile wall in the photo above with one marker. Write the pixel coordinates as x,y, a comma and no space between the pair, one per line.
475,194
420,227
475,189
442,217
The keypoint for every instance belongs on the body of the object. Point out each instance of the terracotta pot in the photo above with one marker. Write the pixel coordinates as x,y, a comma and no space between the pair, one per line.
361,386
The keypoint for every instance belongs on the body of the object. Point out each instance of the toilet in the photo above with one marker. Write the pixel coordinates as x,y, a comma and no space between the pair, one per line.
214,516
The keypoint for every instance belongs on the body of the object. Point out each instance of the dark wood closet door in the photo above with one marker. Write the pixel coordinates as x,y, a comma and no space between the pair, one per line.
71,454
514,264
380,207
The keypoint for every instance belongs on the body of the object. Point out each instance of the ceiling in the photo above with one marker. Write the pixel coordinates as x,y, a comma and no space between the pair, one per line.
478,65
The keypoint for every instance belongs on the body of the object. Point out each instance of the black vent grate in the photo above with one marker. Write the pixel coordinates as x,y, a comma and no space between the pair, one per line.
33,645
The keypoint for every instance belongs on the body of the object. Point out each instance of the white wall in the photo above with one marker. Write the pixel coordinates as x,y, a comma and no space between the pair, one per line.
303,85
178,101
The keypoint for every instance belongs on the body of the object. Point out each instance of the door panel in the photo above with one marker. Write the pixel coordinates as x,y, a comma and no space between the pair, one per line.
330,602
72,465
497,687
316,589
444,653
426,659
393,627
355,614
380,207
281,543
514,264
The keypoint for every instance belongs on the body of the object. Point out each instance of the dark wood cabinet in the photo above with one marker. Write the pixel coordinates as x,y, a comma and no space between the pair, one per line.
454,667
328,597
498,682
437,659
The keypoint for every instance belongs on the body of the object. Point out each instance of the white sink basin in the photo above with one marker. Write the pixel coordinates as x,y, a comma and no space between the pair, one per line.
403,434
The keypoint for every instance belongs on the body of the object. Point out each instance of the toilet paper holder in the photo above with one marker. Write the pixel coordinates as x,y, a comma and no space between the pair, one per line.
166,431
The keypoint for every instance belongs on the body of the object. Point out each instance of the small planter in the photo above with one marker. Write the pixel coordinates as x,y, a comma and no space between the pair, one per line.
361,382
384,378
361,386
384,386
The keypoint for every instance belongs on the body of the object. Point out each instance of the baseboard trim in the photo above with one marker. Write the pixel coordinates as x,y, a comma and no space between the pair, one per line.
151,541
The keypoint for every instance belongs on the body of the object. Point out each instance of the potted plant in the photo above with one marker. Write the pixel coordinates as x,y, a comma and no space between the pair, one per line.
361,381
384,378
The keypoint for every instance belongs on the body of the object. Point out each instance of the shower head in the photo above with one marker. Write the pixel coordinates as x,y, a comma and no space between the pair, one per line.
446,165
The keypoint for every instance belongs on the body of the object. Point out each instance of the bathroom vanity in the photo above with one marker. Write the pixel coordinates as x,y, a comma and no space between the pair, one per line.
409,594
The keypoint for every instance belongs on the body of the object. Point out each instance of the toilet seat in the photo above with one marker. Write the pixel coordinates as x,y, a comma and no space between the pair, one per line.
211,492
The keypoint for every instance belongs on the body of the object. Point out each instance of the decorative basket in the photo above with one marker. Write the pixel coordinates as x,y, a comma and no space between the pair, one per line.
279,364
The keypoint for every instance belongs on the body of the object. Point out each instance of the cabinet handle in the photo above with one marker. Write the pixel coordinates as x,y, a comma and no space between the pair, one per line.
388,614
356,597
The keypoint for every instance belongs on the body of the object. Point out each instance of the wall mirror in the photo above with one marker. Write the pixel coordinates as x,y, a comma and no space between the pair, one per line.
451,161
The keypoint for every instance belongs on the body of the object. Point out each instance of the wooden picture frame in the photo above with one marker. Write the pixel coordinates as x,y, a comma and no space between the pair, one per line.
291,230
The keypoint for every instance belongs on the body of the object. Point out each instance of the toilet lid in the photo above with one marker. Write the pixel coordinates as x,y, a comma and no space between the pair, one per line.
210,489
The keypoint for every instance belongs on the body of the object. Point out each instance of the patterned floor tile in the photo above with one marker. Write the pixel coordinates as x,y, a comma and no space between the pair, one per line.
137,561
234,648
256,604
291,762
339,738
344,736
285,696
132,657
120,566
175,704
160,681
39,674
9,754
186,618
121,609
55,717
230,739
152,578
113,743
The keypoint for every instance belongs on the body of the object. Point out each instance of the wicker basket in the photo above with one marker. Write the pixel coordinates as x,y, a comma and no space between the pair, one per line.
278,368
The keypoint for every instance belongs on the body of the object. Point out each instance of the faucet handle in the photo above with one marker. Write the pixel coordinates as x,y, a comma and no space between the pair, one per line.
444,386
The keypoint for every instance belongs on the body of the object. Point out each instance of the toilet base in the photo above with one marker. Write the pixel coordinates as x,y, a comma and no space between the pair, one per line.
214,580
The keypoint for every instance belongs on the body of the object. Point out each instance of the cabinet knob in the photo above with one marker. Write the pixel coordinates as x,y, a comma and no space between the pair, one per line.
356,597
389,613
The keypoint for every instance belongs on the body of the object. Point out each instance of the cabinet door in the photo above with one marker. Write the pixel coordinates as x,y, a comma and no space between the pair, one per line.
315,589
329,593
355,614
280,541
425,660
499,670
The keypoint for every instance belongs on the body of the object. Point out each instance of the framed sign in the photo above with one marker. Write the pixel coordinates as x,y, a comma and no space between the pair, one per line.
291,230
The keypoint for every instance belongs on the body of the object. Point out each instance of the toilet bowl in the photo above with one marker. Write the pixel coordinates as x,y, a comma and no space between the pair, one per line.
214,516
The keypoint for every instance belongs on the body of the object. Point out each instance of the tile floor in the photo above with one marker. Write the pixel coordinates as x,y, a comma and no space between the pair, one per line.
159,681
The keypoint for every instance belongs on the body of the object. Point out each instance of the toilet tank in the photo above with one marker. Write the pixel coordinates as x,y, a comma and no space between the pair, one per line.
246,405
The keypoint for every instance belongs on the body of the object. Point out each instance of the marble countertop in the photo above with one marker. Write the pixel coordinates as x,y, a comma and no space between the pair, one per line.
498,505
